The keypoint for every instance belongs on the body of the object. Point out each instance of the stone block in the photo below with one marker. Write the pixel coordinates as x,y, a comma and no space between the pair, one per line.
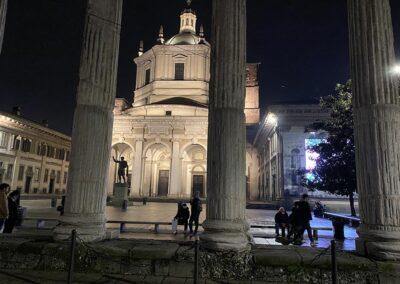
112,234
161,268
275,257
174,280
153,280
138,267
181,269
154,251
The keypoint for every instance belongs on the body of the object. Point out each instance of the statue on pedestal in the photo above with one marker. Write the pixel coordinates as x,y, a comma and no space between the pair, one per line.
122,167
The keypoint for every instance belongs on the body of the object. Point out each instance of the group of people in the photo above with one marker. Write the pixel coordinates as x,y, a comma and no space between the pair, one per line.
296,223
9,203
182,216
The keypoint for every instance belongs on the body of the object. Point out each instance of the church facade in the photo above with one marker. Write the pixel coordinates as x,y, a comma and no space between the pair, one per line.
163,133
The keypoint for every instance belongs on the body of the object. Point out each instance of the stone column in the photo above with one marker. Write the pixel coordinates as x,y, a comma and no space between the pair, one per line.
377,127
226,227
93,122
137,168
175,169
3,12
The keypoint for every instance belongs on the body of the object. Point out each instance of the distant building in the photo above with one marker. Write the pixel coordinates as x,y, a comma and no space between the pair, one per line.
163,134
281,141
33,157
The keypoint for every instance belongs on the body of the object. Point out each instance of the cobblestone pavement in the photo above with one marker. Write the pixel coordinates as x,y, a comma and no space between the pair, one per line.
164,212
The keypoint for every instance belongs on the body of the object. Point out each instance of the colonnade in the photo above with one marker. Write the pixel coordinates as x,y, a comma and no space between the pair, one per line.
377,127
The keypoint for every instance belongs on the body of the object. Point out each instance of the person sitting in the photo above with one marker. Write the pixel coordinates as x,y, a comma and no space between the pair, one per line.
182,216
295,226
281,221
319,209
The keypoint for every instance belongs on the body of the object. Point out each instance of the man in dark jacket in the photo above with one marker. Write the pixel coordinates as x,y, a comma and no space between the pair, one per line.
281,222
196,208
13,204
304,214
182,216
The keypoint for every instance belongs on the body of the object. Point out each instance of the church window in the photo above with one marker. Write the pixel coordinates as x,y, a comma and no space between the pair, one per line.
191,22
46,175
179,71
16,142
26,145
147,79
4,139
187,22
21,172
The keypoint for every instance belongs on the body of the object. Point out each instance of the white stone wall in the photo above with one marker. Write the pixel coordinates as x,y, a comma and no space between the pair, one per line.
150,141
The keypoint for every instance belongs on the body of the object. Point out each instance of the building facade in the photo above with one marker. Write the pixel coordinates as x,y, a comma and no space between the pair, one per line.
163,134
281,141
33,157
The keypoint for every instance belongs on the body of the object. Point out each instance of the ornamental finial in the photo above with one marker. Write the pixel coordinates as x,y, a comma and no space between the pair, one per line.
189,2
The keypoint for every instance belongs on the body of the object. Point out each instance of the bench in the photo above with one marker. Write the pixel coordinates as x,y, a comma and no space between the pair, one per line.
272,226
316,229
40,221
122,224
352,221
338,222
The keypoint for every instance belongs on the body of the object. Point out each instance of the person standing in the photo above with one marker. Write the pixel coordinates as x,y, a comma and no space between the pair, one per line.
122,167
281,222
305,217
4,189
196,208
13,204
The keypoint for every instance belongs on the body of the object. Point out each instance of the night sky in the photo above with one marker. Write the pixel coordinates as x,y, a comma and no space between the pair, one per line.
302,46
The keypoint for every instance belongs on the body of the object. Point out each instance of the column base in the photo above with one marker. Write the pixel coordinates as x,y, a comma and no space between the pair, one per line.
88,228
381,250
378,244
225,236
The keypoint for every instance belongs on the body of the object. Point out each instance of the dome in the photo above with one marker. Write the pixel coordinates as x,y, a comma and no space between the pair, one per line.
185,38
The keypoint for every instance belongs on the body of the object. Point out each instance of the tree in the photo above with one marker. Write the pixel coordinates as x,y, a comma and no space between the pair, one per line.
335,170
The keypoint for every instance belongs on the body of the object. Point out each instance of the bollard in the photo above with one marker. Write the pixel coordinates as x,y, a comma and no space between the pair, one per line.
144,200
196,261
72,256
334,263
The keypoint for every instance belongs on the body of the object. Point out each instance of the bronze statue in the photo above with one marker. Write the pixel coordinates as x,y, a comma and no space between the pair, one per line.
122,165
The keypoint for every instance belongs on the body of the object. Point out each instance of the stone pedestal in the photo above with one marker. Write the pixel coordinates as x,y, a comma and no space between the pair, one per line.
225,227
92,129
120,195
376,127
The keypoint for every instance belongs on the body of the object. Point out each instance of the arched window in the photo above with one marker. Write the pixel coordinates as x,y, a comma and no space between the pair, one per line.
187,22
191,22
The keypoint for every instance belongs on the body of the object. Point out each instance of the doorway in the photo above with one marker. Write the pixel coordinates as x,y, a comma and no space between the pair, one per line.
198,184
51,185
27,184
163,180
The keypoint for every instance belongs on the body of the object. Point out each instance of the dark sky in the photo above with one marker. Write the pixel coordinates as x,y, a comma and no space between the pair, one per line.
302,46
